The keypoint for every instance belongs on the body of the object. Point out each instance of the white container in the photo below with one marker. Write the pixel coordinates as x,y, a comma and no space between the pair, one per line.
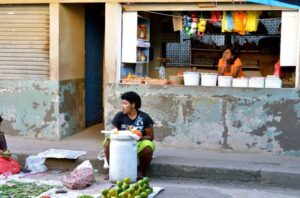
240,82
273,82
257,82
123,158
191,78
208,79
224,81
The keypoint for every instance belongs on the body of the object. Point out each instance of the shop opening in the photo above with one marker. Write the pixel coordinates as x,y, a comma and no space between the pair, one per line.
194,41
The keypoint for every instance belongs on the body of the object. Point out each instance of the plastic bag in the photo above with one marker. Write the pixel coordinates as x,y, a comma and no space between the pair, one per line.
9,166
36,164
81,177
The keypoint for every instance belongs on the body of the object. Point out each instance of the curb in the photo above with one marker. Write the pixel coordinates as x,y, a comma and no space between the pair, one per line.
162,168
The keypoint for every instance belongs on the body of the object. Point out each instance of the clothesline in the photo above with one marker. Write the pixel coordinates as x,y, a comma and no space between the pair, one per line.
182,17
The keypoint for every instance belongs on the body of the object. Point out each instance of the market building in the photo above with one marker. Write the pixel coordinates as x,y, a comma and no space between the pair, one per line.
45,93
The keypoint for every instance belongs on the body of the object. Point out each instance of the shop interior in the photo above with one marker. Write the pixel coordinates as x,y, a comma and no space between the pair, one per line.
169,39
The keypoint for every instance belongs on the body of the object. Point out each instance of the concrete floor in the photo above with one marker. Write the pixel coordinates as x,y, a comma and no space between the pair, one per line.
89,140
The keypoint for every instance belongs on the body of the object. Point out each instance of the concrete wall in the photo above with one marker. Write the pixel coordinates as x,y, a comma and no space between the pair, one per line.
71,69
221,119
30,108
71,41
71,107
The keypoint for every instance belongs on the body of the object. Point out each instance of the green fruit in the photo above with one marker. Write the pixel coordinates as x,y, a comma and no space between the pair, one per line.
124,195
135,186
119,183
144,195
148,191
141,189
104,192
151,189
141,182
127,180
146,180
112,192
146,185
119,189
125,186
131,190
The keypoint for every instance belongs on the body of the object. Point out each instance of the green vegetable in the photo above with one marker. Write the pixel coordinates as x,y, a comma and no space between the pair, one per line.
17,189
85,196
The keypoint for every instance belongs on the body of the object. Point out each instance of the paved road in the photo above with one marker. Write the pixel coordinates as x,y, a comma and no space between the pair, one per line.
191,188
185,188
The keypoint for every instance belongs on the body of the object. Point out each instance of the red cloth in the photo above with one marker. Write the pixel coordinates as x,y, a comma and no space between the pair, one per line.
277,69
9,166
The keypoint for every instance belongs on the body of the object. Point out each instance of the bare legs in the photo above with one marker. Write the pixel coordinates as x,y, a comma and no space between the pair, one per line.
145,158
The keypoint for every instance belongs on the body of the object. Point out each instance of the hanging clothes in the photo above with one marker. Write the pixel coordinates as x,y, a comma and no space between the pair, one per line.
252,21
227,22
215,16
239,18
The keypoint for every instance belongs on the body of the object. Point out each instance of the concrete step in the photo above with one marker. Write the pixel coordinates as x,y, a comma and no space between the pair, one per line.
274,170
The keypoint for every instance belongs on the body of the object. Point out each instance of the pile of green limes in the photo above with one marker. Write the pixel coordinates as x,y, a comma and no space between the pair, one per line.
123,189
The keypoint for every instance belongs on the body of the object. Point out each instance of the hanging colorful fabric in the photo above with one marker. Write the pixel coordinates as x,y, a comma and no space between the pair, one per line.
252,21
216,16
227,22
193,28
240,22
201,26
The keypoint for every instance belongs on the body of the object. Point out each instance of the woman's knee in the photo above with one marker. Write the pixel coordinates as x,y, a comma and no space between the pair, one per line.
147,151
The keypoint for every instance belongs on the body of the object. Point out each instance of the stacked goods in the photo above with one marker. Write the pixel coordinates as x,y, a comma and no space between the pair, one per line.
156,81
123,189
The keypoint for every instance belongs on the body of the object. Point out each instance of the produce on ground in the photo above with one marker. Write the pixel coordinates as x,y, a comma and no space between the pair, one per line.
16,189
123,189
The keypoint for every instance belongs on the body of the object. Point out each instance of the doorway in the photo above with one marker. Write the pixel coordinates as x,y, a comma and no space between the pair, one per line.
94,45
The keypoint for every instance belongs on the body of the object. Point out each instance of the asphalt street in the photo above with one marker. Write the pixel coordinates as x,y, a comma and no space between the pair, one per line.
185,188
189,188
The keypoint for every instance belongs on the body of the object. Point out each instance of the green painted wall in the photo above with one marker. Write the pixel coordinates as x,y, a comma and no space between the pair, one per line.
30,108
243,120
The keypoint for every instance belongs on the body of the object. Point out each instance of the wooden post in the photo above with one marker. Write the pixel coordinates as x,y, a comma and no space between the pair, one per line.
112,46
297,74
112,43
54,41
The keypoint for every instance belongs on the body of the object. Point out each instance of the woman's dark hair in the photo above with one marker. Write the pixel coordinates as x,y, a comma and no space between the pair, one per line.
233,53
132,97
1,119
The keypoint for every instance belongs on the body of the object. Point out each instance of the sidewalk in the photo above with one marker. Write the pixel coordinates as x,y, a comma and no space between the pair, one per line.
271,169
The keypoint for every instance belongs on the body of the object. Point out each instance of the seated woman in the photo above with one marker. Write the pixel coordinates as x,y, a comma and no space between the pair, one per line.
230,64
130,116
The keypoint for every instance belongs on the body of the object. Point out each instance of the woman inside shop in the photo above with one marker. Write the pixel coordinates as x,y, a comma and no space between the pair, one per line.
131,117
230,64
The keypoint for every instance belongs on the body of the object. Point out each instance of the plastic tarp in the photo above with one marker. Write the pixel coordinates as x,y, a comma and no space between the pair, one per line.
295,4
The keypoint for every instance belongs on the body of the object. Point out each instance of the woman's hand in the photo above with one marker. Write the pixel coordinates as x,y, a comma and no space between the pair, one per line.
149,135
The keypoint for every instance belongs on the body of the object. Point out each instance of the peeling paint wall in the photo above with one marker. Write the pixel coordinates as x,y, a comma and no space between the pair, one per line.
30,108
71,107
220,119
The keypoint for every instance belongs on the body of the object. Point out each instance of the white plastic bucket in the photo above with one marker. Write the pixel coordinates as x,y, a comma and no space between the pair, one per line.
273,82
257,82
224,81
123,158
240,82
208,79
191,78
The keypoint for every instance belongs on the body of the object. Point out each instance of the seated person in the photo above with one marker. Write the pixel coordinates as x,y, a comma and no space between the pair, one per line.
131,117
230,64
3,145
